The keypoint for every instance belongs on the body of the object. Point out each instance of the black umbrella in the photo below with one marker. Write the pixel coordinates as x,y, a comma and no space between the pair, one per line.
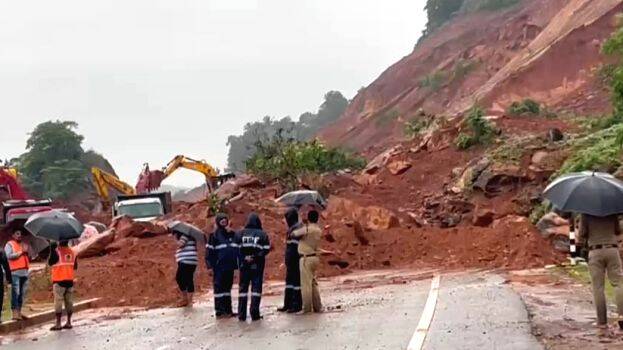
593,193
304,197
54,225
187,229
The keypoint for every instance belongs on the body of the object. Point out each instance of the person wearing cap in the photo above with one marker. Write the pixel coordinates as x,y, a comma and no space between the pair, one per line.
309,235
222,257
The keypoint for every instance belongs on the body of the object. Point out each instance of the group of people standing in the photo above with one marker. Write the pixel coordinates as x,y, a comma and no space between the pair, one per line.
246,251
15,268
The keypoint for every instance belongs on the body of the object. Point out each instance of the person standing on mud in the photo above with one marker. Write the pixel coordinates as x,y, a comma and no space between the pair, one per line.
601,235
187,260
310,235
5,273
292,294
63,263
19,262
254,246
222,258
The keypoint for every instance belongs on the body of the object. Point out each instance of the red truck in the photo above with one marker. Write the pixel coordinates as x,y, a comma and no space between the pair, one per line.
15,205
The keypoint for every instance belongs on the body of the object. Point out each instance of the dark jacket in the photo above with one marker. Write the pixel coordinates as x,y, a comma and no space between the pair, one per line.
5,270
292,243
254,243
222,248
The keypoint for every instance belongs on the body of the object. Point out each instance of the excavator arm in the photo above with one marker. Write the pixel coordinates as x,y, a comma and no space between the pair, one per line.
150,180
188,163
102,180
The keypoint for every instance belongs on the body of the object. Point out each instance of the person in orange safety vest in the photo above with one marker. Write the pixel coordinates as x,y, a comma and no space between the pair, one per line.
19,262
63,264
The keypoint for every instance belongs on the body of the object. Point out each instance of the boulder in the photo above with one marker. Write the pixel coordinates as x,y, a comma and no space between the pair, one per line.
470,174
140,229
98,226
450,220
496,176
95,245
398,167
88,232
232,187
538,158
374,217
552,224
555,135
382,159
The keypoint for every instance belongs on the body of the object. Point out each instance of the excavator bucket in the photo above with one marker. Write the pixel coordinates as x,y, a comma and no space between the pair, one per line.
149,180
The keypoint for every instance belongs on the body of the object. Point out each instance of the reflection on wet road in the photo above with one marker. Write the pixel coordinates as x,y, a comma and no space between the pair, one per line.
367,311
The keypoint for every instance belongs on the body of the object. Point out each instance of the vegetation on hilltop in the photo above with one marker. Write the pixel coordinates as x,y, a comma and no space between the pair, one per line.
287,160
243,147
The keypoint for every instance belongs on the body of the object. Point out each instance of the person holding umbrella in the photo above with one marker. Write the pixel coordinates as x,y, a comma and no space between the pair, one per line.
292,295
296,199
63,263
59,226
187,236
598,197
222,258
19,262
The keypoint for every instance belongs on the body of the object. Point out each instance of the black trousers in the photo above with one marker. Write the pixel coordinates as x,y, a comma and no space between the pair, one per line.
223,280
1,294
292,299
185,277
253,277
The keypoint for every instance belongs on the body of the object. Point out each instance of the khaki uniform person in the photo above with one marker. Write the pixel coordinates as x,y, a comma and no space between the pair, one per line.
601,237
310,235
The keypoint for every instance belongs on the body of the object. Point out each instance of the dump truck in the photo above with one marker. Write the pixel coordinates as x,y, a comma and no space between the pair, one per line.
15,204
140,207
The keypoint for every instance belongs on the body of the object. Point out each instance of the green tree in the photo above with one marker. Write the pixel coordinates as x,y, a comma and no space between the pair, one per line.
288,161
439,12
52,165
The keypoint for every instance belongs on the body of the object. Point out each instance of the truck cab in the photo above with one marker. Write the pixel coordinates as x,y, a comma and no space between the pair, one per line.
144,207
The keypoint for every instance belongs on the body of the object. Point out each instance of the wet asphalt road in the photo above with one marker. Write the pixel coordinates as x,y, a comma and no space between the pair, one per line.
474,311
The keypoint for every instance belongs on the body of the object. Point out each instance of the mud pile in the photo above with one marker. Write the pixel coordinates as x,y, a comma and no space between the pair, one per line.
362,231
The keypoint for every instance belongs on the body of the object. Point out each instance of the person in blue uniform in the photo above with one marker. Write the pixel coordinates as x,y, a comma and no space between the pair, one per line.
222,257
254,246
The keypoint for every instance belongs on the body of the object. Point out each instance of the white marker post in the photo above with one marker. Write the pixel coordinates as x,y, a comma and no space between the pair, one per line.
572,247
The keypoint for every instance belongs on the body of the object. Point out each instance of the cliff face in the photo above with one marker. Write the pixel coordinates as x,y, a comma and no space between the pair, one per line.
546,50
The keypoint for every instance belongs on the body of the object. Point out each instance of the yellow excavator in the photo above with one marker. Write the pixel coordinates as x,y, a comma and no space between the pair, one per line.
102,180
151,179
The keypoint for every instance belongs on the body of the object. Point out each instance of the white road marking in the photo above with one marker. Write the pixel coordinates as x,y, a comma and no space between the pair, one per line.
417,341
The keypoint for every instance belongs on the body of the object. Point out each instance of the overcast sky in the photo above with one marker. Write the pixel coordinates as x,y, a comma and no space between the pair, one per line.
149,79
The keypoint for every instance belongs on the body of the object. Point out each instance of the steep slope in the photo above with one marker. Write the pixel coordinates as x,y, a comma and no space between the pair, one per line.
493,58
